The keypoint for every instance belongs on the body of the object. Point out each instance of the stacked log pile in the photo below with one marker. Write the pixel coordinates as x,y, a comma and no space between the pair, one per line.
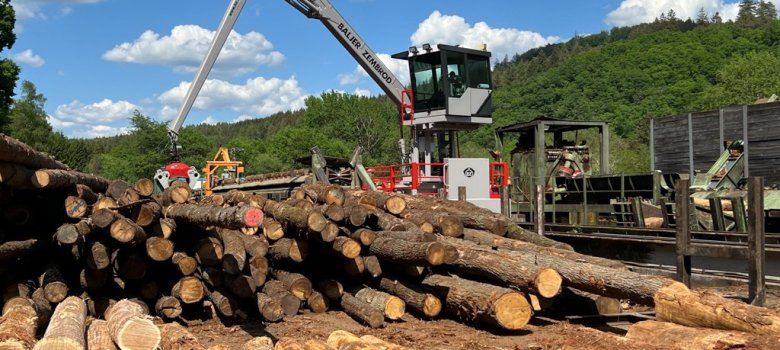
83,247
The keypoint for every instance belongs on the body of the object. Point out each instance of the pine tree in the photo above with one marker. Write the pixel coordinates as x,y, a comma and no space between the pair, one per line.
716,18
671,16
765,12
702,17
746,16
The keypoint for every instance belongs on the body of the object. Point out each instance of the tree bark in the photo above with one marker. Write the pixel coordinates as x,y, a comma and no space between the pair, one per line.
224,303
67,325
317,302
15,151
128,232
186,264
57,178
355,267
235,197
163,227
425,303
326,194
362,311
297,284
332,212
676,337
373,267
260,343
98,336
255,245
242,286
480,302
16,175
346,247
400,251
356,215
331,289
676,303
270,308
293,249
232,217
209,252
175,337
272,229
234,257
10,250
93,279
18,324
258,269
364,236
72,234
441,222
391,306
131,328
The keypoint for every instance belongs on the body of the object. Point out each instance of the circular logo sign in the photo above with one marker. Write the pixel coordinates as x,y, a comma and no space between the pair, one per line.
469,172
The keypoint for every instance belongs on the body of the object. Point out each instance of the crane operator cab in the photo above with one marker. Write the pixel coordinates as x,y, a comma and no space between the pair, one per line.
451,87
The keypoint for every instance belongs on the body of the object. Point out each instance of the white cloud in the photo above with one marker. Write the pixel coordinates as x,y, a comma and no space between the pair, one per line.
186,45
29,58
105,111
209,121
101,131
453,30
243,117
362,92
26,9
399,68
632,12
58,123
258,96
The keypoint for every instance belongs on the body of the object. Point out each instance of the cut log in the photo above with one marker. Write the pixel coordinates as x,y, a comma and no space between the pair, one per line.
272,229
400,251
364,236
331,289
276,289
232,217
676,337
18,324
387,222
235,197
490,240
356,215
255,245
131,328
373,267
242,286
15,151
76,207
340,339
10,250
355,267
258,269
188,289
314,344
130,197
362,311
67,326
326,194
128,232
129,265
443,223
54,288
16,175
296,283
147,214
676,303
86,194
104,217
391,306
144,187
174,336
71,234
346,247
329,233
224,303
42,307
234,257
178,192
209,252
287,343
159,249
292,249
22,289
317,302
104,202
186,264
481,302
57,178
168,306
412,236
425,303
116,188
212,277
270,307
259,343
99,336
90,279
332,212
163,227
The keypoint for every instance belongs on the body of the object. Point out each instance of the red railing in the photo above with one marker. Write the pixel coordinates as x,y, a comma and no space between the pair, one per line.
409,176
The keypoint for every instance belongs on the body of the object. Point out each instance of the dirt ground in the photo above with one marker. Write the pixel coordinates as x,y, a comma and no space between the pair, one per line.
543,333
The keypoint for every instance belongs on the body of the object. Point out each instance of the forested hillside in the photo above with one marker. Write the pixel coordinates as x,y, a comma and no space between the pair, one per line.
625,76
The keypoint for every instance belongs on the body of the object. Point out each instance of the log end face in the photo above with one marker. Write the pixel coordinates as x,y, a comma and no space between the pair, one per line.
59,343
40,179
435,254
548,283
138,333
253,217
395,308
431,306
512,311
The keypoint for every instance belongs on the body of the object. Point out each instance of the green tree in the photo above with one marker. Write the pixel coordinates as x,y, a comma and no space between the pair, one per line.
702,17
9,71
716,18
746,16
28,119
747,78
766,12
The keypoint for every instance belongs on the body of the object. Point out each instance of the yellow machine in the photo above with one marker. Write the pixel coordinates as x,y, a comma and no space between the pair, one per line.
232,169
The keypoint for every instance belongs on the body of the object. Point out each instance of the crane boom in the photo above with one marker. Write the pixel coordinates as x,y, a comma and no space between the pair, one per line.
228,21
353,43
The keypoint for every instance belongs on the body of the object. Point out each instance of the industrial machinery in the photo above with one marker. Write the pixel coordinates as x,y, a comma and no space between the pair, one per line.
231,169
451,90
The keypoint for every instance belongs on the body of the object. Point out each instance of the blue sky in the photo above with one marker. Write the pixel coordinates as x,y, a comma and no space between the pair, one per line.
97,61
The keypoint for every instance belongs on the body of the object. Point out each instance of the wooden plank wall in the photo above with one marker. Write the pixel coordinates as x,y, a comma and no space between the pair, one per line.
671,147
